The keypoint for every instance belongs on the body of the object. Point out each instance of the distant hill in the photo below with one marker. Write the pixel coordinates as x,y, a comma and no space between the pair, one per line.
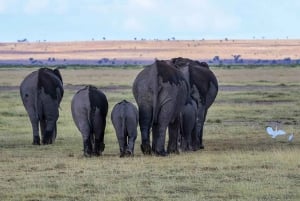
216,52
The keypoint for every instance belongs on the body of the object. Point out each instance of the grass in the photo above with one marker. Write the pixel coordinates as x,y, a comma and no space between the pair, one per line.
239,162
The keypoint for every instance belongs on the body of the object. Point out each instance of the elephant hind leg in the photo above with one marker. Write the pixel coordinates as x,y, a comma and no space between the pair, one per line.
145,121
43,127
87,147
87,143
146,149
54,133
35,129
173,137
132,134
159,131
98,129
48,130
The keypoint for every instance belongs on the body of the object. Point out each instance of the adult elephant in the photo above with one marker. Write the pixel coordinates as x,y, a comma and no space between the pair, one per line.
203,86
160,91
41,93
89,108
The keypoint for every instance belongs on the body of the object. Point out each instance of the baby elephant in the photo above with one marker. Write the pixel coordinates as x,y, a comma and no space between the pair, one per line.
89,109
188,118
124,117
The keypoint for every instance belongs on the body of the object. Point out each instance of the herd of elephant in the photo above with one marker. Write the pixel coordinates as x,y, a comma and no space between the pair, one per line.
170,94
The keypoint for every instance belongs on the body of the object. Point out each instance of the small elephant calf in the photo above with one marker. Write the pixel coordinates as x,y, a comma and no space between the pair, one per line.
124,117
188,118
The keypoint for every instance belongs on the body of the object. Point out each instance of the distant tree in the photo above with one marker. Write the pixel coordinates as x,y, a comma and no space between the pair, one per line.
105,60
287,60
23,40
236,58
173,38
103,38
216,58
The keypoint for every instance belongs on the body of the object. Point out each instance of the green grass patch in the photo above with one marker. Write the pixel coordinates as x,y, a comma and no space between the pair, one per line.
239,162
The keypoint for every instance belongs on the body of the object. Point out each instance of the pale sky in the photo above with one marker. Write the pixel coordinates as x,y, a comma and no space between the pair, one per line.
77,20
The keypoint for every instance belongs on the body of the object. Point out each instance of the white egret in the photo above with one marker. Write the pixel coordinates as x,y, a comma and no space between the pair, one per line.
291,137
274,133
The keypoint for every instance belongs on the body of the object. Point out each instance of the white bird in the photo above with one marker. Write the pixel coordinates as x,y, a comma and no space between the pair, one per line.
274,133
291,137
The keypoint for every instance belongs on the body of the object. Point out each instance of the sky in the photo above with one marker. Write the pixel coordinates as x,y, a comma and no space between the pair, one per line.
84,20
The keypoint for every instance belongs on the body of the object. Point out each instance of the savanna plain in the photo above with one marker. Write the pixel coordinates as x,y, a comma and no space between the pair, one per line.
239,162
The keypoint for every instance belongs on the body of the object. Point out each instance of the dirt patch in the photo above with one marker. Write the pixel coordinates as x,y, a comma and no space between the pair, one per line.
116,87
72,87
252,87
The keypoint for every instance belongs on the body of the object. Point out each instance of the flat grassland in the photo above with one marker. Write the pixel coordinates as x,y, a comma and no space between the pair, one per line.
148,50
239,162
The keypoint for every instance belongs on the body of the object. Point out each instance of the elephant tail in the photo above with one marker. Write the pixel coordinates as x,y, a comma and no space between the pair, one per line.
181,131
123,116
92,113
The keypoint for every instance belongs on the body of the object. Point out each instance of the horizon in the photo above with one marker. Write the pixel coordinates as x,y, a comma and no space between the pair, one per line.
25,40
66,20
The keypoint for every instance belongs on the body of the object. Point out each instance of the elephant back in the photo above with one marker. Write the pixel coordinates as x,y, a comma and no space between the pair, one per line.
168,73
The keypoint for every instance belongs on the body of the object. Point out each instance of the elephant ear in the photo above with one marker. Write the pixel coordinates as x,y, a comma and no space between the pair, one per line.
57,73
60,91
98,100
48,81
199,77
202,78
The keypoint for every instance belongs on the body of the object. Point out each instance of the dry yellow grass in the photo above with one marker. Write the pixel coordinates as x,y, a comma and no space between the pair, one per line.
145,50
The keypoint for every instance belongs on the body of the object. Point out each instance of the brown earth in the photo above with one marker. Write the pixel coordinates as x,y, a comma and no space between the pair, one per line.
148,50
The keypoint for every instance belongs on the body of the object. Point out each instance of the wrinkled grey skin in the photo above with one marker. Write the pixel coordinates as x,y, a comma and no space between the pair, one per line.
124,117
160,92
188,119
89,110
41,93
203,86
